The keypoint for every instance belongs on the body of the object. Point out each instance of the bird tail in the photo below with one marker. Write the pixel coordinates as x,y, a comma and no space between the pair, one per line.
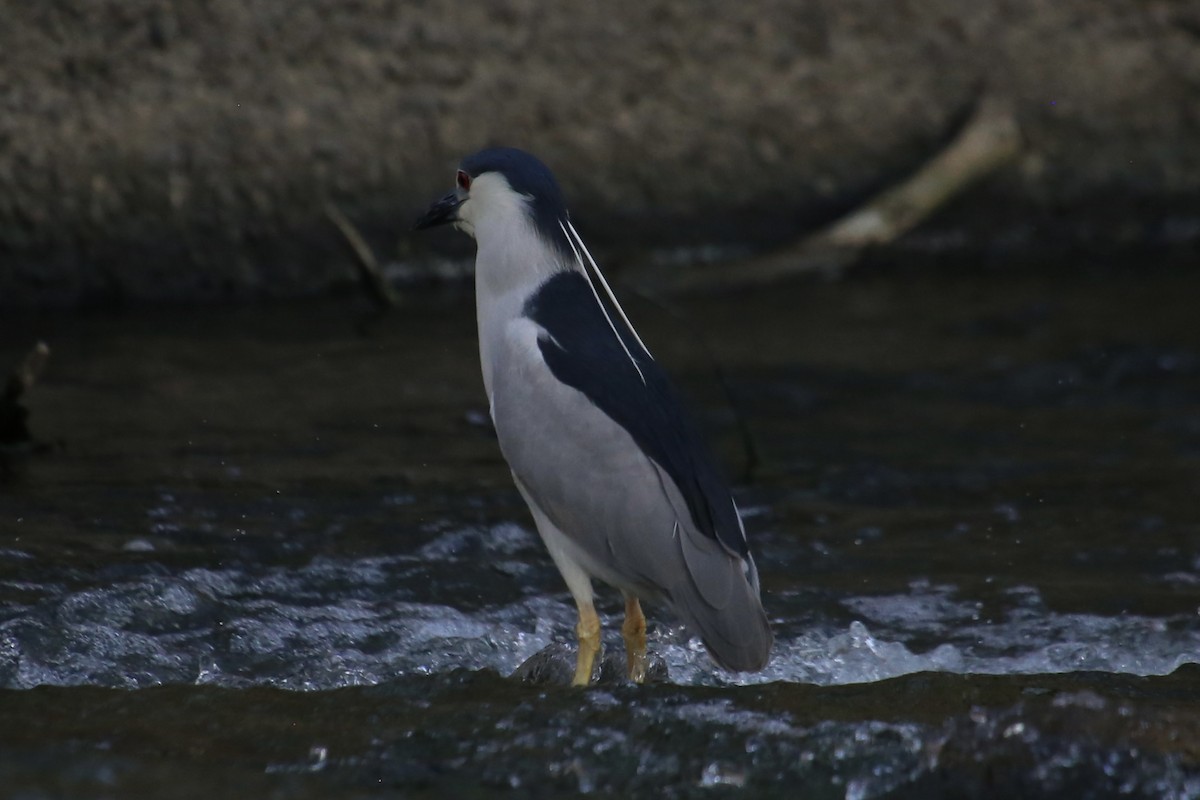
718,599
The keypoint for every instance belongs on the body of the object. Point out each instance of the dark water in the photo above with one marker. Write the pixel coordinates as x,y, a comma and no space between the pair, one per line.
973,499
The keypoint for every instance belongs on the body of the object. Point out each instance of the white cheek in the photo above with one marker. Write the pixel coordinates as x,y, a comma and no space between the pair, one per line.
465,221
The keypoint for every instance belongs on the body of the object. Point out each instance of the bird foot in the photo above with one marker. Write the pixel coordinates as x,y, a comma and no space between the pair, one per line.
634,632
588,632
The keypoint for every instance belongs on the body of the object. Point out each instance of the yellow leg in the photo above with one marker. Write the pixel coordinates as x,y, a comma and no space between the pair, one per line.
634,631
588,631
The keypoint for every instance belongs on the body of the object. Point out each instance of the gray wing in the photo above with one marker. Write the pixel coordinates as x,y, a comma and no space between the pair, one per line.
625,512
593,351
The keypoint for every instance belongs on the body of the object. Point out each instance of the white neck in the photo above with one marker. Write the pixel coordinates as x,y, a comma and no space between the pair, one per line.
511,256
512,260
511,253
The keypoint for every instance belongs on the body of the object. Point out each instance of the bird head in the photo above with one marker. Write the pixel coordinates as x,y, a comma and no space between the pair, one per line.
498,188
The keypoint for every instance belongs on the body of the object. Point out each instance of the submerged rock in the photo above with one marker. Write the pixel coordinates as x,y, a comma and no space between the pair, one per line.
554,665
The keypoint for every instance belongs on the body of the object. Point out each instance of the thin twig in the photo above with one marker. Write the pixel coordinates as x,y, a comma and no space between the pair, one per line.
382,292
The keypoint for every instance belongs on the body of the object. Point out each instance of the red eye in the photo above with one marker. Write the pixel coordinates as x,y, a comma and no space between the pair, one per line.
464,180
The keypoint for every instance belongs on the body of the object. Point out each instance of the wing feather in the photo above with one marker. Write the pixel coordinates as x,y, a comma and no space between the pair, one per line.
618,376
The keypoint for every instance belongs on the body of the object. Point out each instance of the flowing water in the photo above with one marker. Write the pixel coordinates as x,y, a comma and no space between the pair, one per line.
276,550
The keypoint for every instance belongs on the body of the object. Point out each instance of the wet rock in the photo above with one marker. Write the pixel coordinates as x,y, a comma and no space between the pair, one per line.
554,665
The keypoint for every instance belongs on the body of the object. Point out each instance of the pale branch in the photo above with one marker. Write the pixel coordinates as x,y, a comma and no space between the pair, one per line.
989,140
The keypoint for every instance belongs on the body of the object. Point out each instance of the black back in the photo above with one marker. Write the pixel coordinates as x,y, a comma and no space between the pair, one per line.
530,177
583,353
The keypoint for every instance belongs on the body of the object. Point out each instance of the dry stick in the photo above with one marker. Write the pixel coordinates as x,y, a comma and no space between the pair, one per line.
14,431
368,267
25,374
989,140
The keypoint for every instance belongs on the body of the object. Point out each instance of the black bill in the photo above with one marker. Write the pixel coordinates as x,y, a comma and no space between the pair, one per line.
441,212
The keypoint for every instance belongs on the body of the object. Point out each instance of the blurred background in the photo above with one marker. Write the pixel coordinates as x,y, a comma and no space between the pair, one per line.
926,271
159,150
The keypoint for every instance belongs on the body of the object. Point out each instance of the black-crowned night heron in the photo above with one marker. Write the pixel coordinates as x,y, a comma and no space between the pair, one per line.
618,480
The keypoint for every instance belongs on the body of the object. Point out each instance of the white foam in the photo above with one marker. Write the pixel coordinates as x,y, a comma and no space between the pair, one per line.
336,622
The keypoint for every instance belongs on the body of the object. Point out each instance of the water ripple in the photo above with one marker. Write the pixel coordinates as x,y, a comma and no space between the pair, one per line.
345,622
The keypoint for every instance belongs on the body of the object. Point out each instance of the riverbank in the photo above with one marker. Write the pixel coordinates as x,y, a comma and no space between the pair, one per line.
190,152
